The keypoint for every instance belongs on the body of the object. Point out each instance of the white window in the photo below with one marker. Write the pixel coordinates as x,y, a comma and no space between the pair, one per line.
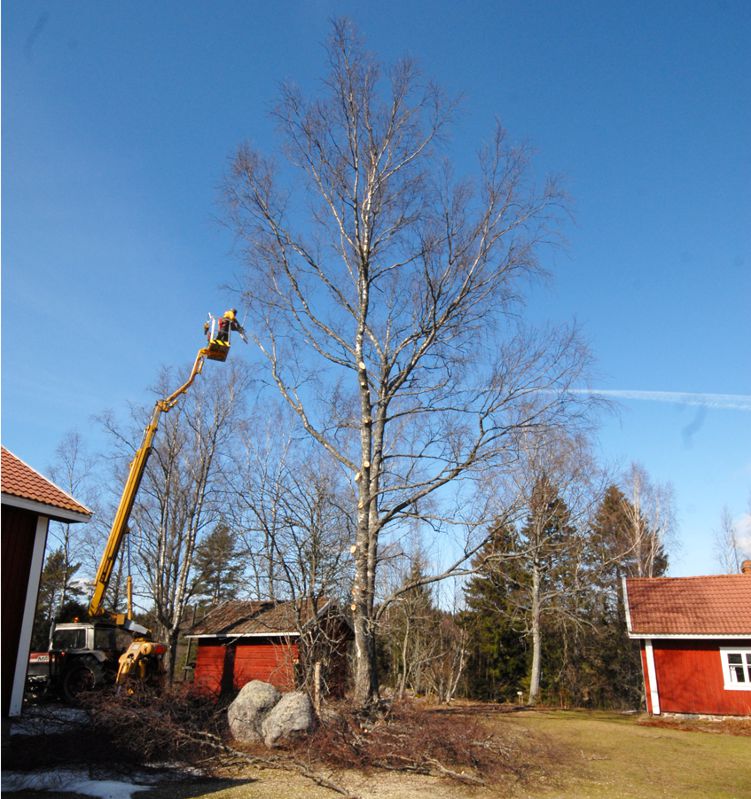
736,666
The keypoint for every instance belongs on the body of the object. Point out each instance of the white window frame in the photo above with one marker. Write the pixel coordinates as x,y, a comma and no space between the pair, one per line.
729,674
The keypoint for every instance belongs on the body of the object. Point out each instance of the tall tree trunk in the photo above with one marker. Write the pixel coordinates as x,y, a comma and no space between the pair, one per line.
534,679
366,674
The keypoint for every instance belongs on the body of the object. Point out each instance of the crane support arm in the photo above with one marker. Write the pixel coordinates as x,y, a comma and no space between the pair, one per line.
125,506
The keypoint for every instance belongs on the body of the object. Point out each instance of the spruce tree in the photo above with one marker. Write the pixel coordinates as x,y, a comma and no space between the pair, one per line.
498,656
551,553
614,657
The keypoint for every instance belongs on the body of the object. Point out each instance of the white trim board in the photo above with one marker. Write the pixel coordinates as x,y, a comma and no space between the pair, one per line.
42,509
24,639
654,694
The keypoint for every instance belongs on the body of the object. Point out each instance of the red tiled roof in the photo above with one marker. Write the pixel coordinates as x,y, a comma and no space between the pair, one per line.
237,618
714,605
20,480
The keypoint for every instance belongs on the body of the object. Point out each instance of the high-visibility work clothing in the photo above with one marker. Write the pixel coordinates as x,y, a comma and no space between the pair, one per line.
229,322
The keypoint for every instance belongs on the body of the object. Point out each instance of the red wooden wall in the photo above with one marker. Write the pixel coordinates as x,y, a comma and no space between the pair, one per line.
690,678
19,530
228,666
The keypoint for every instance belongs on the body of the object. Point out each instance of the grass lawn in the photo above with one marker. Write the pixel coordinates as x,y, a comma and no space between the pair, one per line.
615,756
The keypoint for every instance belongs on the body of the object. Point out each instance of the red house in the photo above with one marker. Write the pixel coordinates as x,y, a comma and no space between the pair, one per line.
29,501
243,641
695,637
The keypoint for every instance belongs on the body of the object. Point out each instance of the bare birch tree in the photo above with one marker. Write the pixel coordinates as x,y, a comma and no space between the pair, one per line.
730,548
389,321
294,513
73,470
651,517
182,492
558,485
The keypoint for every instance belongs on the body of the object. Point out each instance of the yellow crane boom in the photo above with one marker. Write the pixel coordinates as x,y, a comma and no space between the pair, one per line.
216,350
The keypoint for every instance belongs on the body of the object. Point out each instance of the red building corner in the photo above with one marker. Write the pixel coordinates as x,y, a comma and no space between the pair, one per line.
695,640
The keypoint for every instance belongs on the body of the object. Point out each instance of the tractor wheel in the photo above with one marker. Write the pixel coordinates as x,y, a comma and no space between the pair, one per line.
80,678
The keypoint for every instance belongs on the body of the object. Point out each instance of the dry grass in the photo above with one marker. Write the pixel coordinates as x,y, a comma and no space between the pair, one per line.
615,756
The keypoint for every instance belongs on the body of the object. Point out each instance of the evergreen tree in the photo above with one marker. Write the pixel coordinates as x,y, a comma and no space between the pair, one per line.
619,539
550,551
57,597
498,656
218,567
556,590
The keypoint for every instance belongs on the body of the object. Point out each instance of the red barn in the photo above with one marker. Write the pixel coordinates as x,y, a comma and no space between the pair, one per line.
29,501
243,641
695,638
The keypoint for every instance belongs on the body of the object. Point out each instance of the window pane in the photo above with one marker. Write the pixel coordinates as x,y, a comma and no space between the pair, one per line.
738,669
69,639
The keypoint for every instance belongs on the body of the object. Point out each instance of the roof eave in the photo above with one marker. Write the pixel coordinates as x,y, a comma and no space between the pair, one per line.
270,634
43,509
690,636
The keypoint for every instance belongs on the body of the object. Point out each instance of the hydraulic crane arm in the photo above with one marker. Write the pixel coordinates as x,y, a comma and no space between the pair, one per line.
125,507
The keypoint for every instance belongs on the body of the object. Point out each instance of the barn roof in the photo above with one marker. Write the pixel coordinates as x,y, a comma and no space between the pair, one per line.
24,487
237,618
704,607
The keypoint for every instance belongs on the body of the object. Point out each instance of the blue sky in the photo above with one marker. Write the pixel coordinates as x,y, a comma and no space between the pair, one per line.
119,120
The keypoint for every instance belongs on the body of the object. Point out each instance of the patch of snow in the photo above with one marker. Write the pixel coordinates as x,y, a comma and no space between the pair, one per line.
48,720
70,781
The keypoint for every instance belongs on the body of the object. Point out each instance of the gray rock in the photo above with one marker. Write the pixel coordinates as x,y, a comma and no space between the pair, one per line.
246,714
292,715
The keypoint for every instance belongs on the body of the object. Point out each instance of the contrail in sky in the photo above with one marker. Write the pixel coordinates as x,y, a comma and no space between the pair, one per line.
734,402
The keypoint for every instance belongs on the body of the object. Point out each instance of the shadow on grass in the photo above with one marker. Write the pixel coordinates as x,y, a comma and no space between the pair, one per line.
92,756
478,709
170,789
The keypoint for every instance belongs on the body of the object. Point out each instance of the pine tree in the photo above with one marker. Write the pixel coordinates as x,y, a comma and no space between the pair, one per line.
57,597
217,566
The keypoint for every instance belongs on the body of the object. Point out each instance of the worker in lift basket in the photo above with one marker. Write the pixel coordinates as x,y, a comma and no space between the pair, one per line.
229,322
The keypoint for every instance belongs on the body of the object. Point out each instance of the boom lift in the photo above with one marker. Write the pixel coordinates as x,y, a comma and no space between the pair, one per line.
83,655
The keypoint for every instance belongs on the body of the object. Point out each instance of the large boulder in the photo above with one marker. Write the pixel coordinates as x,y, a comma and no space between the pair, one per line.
292,715
250,707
